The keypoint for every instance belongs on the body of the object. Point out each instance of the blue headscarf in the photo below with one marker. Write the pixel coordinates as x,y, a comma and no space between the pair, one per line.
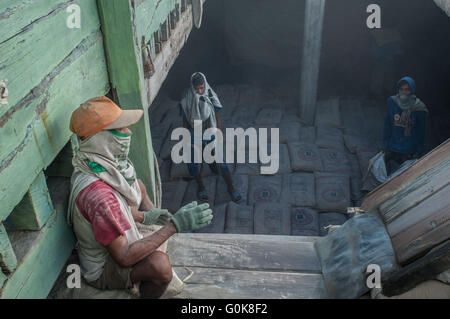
410,81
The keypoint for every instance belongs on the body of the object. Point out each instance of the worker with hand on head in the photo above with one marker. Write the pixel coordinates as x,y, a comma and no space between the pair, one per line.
201,104
404,126
107,199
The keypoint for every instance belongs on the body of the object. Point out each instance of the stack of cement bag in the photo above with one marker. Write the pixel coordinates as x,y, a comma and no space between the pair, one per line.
320,167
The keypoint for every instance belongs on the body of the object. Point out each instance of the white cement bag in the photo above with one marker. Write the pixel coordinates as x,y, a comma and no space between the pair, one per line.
354,165
330,219
272,219
228,96
248,169
329,137
377,167
328,113
192,189
353,142
308,134
304,222
244,117
179,171
290,116
332,192
305,157
172,195
264,189
240,183
299,189
334,161
355,189
284,162
217,225
269,116
364,155
247,96
289,132
351,115
166,149
239,219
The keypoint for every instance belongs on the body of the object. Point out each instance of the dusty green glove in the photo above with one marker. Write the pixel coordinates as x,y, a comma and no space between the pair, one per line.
192,217
156,216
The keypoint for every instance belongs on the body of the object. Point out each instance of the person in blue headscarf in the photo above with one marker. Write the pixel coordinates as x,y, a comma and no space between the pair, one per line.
404,125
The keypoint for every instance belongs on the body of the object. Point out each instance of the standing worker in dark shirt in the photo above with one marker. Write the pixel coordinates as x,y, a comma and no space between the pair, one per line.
201,103
404,126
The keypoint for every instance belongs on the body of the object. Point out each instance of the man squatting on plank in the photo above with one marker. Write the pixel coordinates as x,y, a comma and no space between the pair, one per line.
107,200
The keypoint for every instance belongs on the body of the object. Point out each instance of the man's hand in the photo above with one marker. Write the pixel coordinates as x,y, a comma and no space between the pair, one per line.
192,217
157,216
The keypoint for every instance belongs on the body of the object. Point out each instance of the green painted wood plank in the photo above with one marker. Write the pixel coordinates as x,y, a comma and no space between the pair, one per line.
126,75
28,57
2,279
34,209
43,127
15,15
151,14
35,275
8,260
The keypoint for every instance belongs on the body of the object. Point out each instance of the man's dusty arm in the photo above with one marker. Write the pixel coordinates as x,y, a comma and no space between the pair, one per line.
128,255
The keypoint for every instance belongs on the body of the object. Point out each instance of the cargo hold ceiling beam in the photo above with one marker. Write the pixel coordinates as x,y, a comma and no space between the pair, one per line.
312,43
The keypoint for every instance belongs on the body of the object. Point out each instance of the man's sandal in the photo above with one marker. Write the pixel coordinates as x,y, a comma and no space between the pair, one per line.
236,196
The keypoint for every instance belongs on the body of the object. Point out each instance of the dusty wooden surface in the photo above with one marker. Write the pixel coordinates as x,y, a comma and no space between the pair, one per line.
422,227
404,179
41,254
426,268
246,266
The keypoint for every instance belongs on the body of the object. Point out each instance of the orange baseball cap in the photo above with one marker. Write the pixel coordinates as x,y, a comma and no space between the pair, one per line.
99,114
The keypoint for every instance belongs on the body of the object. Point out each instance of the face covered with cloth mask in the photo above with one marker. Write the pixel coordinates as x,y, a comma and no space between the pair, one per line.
104,153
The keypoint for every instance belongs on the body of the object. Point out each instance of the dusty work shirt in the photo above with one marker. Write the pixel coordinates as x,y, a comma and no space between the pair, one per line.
100,215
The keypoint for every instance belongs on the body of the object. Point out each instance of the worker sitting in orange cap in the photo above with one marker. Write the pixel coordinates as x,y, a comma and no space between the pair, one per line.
107,200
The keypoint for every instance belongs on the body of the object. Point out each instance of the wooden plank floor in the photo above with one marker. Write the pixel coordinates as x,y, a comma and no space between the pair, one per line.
247,266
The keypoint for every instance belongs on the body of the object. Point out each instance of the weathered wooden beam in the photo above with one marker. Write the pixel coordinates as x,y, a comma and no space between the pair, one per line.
211,283
423,269
16,16
245,252
25,59
412,195
126,75
34,209
407,177
157,41
39,126
8,260
165,31
2,279
42,262
150,15
169,53
312,44
422,227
